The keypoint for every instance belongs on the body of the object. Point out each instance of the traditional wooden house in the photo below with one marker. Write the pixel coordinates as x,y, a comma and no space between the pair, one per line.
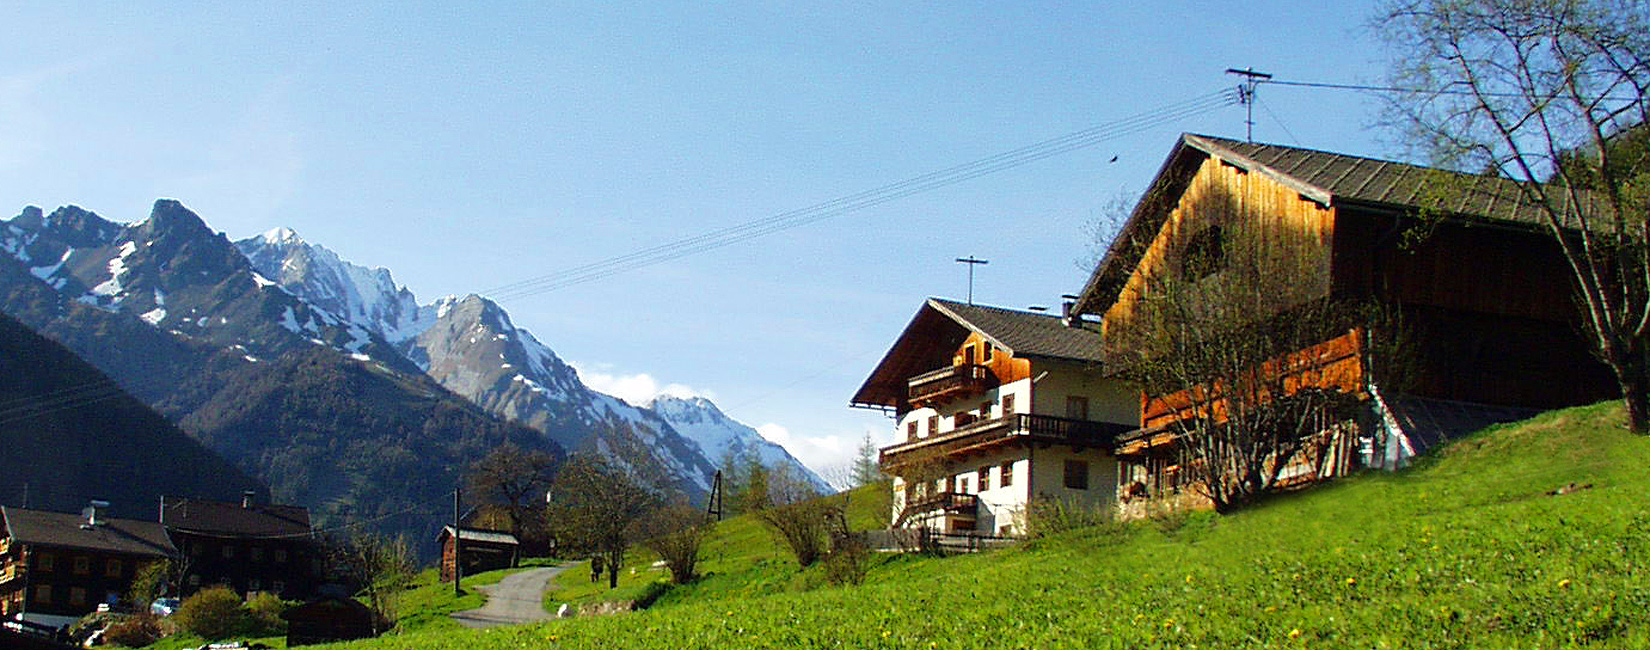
482,550
247,546
994,407
1470,269
57,567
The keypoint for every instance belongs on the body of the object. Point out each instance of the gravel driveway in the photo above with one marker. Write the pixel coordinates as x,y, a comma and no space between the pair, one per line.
517,599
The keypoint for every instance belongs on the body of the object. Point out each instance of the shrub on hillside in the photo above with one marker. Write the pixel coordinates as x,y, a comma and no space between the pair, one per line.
849,559
134,631
213,613
674,532
1046,516
264,615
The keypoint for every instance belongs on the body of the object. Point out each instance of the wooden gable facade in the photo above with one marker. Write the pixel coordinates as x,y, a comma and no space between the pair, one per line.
1479,286
1482,298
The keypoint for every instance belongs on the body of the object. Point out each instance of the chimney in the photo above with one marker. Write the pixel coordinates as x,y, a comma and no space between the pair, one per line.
1066,316
246,498
95,514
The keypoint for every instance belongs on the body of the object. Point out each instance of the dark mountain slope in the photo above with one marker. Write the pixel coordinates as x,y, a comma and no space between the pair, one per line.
70,435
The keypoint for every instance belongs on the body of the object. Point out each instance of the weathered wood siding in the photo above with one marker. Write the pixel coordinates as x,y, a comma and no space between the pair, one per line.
1244,203
1003,365
1336,363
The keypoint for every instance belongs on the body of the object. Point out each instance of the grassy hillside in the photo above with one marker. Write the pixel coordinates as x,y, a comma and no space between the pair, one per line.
1466,550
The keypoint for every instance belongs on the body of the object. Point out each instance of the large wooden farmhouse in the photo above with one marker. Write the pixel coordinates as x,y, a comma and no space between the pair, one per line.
995,407
247,546
1473,275
57,567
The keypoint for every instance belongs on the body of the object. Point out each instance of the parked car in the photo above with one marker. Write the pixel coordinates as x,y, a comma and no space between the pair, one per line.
164,606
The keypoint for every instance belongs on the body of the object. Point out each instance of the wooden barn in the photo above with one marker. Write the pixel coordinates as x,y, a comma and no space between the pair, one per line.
481,550
1471,273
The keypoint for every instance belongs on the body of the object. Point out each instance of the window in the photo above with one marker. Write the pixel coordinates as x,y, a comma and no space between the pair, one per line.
985,478
933,424
1006,474
254,585
280,555
911,430
1008,405
1205,253
45,562
945,484
962,485
43,594
82,565
1077,407
985,352
228,552
194,580
968,355
985,410
77,595
1077,474
277,586
111,568
257,553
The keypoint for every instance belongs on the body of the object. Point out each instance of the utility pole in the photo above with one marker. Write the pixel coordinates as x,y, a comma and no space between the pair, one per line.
713,503
971,262
458,559
1246,96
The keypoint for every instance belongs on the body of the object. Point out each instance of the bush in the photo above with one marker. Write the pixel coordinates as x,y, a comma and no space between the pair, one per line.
1047,516
848,561
213,613
134,631
264,612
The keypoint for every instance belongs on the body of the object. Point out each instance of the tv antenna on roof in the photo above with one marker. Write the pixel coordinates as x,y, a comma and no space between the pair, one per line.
1246,96
971,262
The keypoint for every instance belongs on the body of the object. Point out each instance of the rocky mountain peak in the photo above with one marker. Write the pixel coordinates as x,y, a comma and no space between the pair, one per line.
168,216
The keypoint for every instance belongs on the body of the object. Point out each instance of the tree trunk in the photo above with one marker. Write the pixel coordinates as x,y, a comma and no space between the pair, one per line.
1634,385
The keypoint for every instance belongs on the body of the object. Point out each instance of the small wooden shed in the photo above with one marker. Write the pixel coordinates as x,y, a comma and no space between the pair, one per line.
483,550
326,620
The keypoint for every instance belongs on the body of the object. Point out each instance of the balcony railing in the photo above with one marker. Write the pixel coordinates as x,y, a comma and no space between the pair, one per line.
1016,426
955,504
946,384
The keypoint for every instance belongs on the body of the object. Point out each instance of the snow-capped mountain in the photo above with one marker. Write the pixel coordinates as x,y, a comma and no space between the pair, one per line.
722,437
324,411
470,346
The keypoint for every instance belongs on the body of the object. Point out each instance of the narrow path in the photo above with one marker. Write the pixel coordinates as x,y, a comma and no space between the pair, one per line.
517,599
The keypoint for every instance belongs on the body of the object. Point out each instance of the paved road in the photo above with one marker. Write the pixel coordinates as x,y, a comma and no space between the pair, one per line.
517,599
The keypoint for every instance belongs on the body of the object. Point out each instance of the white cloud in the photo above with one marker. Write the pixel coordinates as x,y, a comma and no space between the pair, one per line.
635,388
824,454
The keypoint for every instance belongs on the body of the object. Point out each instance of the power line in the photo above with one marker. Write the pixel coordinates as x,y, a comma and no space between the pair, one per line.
1428,91
861,200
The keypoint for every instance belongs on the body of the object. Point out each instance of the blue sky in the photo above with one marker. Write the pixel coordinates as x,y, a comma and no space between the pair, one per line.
466,146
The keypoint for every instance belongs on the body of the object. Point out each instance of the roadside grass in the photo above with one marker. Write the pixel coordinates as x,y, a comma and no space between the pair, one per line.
428,605
1465,550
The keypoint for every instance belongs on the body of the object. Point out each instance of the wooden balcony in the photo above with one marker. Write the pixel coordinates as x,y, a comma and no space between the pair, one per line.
948,384
953,507
982,435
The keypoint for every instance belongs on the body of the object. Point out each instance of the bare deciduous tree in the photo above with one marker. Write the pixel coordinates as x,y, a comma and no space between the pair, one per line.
1540,93
1221,333
797,515
378,568
515,479
675,532
596,507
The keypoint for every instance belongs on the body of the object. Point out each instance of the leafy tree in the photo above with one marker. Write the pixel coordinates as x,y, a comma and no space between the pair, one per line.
1545,94
757,493
152,581
596,507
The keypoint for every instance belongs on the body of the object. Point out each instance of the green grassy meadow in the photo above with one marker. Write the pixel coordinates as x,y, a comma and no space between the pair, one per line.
1464,550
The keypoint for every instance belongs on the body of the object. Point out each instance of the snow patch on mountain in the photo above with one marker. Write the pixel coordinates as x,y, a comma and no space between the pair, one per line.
722,437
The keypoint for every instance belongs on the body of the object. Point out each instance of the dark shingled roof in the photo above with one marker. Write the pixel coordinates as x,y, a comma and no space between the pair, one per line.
479,535
145,538
1024,333
942,325
217,518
